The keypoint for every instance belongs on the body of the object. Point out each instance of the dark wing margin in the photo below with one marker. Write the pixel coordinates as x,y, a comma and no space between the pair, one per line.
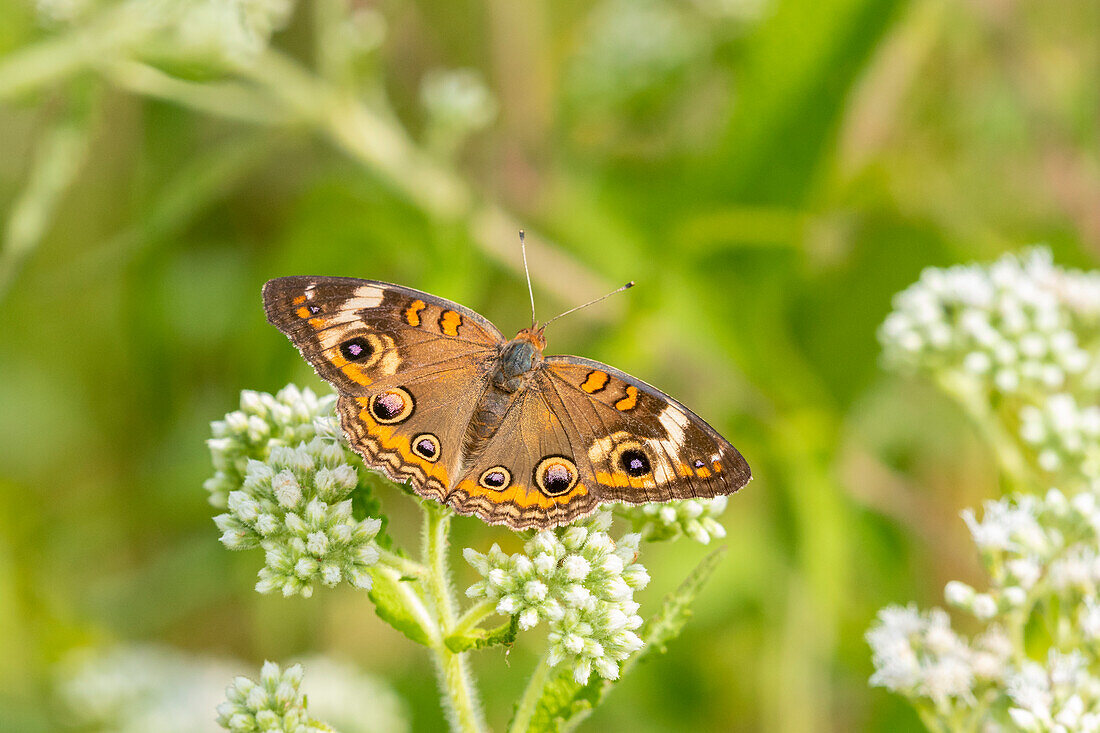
642,444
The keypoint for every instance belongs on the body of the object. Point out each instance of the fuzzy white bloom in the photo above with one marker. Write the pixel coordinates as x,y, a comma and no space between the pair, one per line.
235,30
695,518
630,46
142,688
581,582
296,506
1062,695
1009,327
1040,551
273,704
1064,435
918,654
458,100
264,422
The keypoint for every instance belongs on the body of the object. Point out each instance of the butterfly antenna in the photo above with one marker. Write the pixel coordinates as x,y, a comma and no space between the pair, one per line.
591,302
527,272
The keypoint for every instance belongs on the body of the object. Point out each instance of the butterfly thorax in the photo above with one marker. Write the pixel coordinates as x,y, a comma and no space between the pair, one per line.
518,360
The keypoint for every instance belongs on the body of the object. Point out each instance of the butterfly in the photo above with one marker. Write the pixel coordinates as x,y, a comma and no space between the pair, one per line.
433,394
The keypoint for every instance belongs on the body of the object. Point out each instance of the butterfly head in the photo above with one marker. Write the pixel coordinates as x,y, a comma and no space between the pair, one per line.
533,336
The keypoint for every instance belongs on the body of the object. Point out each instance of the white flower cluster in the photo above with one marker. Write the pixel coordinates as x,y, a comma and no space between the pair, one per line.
629,47
229,29
1014,326
137,688
458,99
578,579
919,655
1034,545
273,704
1064,435
297,507
696,518
1061,696
264,421
1040,552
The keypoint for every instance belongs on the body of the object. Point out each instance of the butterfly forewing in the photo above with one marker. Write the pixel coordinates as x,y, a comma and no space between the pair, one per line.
359,333
406,364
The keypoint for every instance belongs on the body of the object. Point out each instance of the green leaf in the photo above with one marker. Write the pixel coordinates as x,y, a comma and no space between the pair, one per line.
564,703
391,597
479,638
563,700
675,611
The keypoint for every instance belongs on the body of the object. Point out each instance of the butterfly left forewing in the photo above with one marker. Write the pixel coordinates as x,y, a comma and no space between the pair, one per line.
640,444
356,332
407,366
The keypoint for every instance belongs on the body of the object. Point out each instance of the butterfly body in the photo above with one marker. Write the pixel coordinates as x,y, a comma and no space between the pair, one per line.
432,393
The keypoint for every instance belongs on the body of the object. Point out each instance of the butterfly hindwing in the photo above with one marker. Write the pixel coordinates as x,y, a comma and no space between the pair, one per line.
527,475
640,445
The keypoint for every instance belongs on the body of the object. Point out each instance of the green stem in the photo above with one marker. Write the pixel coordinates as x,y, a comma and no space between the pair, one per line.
226,99
363,133
1014,465
403,565
57,162
104,37
474,615
521,721
462,705
931,719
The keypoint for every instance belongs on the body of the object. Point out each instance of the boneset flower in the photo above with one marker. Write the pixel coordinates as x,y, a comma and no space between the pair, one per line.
1016,343
1040,552
581,582
273,704
296,506
264,422
695,518
1011,327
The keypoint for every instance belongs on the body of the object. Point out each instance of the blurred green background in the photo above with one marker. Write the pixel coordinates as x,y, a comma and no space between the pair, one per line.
770,172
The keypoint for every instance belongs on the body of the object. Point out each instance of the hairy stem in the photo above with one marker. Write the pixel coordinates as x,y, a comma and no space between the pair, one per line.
474,615
521,721
461,698
405,566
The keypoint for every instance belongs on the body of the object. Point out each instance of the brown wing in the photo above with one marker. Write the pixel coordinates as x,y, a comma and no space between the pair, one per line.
409,368
527,474
637,443
359,333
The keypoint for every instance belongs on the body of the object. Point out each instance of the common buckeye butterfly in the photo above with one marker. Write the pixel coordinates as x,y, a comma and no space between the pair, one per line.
432,393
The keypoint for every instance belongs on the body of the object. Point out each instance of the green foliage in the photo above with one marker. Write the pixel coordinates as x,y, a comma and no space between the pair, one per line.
389,594
771,177
505,635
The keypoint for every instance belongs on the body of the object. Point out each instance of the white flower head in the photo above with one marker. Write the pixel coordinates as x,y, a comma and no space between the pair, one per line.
305,538
581,581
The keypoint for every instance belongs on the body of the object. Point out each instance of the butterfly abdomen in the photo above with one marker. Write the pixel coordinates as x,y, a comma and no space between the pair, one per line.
509,374
486,420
